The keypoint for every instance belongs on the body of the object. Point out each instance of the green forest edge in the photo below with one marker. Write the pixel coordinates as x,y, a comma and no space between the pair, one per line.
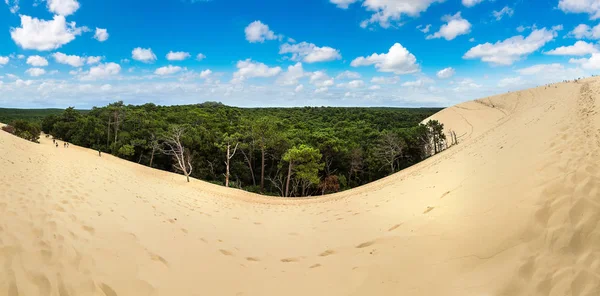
289,152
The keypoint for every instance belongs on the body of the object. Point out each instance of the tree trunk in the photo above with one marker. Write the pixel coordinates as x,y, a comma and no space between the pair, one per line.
287,183
227,167
262,170
152,157
250,167
108,133
188,177
140,160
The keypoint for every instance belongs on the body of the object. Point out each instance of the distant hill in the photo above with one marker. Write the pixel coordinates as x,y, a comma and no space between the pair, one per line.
36,115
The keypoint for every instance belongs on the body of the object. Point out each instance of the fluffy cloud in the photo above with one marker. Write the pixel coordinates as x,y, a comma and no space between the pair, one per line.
385,80
71,60
205,74
352,84
35,72
63,7
259,32
143,55
93,60
177,56
424,29
343,4
511,81
580,48
299,88
584,31
168,70
398,60
4,60
310,53
504,11
37,61
419,83
348,75
200,57
13,5
321,90
292,75
44,35
593,63
455,26
385,11
101,34
102,71
471,3
591,7
446,73
512,49
321,79
249,69
541,68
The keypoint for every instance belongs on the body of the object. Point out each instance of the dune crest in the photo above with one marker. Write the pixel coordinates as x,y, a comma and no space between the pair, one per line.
512,210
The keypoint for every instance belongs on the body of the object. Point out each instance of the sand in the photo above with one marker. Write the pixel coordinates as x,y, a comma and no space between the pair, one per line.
514,209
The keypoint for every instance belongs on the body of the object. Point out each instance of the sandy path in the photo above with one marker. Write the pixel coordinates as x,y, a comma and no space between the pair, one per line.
512,210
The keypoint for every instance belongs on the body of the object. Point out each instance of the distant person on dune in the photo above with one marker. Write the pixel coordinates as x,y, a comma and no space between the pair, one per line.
99,153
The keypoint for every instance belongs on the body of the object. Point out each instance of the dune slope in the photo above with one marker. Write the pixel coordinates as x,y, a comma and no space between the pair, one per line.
514,209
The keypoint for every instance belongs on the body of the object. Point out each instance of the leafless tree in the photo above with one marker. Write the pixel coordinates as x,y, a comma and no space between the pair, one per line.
172,145
155,146
230,155
390,149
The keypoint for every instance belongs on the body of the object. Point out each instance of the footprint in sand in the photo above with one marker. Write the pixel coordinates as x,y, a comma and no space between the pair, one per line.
429,209
108,291
395,227
327,253
158,258
315,266
253,259
444,195
365,244
225,252
289,260
89,229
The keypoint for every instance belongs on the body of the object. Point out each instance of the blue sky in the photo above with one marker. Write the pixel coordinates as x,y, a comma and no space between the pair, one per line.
83,53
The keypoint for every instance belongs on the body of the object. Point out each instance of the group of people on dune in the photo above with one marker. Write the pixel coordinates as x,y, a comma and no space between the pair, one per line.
65,144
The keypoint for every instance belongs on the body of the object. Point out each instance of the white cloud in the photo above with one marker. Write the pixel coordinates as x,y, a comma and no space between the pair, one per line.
13,5
455,26
44,35
63,7
20,57
580,48
93,60
101,35
35,72
143,55
259,32
299,88
321,90
71,60
419,83
200,57
348,75
375,87
249,69
321,79
540,69
177,56
584,31
471,3
385,11
102,71
446,73
310,53
591,7
593,63
521,29
106,87
352,84
205,74
466,84
511,81
385,80
343,4
4,60
424,29
504,11
398,60
37,61
22,83
292,75
512,49
167,70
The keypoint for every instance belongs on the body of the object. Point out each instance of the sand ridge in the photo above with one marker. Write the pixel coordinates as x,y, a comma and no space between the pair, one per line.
512,210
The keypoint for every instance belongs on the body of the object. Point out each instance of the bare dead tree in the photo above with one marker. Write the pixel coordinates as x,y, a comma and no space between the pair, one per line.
390,149
230,155
172,145
155,146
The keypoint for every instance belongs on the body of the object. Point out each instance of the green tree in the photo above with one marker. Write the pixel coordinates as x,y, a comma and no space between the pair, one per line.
437,136
304,162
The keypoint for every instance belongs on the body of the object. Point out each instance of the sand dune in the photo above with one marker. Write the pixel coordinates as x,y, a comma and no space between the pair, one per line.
514,209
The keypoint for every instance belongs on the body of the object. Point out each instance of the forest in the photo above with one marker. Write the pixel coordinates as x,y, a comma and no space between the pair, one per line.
289,152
